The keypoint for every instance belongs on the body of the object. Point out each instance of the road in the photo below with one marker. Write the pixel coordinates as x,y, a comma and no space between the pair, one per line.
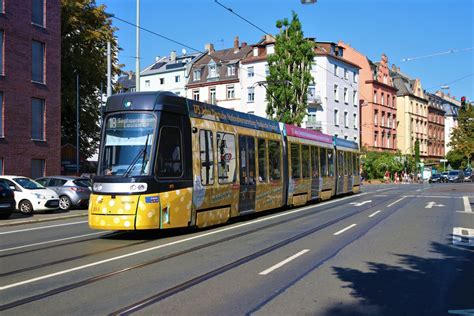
391,250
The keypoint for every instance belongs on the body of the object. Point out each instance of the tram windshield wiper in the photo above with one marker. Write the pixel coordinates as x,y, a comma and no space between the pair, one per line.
141,152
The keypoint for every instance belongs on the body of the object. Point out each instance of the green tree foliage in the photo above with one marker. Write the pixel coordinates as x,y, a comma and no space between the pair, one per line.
417,151
376,163
290,75
462,136
85,30
456,159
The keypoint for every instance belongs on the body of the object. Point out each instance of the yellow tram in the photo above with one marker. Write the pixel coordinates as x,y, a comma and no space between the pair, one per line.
167,162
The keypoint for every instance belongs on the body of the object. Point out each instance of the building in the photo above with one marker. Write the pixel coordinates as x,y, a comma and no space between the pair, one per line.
412,113
30,87
169,73
451,108
127,83
335,109
378,101
435,127
214,77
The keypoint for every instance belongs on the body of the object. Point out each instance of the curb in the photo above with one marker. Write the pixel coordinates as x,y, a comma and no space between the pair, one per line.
39,220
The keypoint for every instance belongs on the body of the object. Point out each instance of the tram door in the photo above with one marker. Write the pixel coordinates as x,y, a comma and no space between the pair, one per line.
248,185
340,172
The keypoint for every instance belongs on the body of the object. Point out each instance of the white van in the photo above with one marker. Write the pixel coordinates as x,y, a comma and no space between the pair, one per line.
31,196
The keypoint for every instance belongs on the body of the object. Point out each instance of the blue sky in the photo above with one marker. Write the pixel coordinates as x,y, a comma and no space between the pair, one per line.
399,28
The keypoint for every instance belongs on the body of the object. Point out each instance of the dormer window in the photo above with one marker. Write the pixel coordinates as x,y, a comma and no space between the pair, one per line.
255,51
270,49
197,75
231,70
212,68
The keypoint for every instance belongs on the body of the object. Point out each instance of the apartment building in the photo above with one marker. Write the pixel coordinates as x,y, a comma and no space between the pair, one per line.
435,127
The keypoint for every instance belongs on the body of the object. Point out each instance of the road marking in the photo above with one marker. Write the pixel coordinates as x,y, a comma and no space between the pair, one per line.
375,213
463,236
381,195
434,196
282,263
51,241
92,264
431,204
384,189
467,205
393,203
360,203
44,227
343,230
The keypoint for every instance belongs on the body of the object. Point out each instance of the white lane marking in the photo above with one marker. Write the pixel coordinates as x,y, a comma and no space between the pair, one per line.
51,241
375,213
434,196
467,205
360,203
463,236
380,190
432,203
343,230
472,213
43,227
47,276
393,203
282,263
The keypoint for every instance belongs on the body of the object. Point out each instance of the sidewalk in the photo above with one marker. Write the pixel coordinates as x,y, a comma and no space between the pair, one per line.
19,219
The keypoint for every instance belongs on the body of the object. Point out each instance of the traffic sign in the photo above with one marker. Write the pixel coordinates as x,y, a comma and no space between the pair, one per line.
443,160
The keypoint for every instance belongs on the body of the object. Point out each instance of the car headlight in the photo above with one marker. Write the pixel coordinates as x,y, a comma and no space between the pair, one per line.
39,196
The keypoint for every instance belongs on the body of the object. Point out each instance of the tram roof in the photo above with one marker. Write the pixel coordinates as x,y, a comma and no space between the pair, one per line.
344,143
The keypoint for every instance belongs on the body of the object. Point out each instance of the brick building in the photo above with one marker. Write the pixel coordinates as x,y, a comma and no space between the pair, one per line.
435,127
30,87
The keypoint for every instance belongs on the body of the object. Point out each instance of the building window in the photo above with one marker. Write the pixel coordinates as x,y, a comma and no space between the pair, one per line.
388,141
255,51
346,96
382,99
346,119
37,12
177,79
355,120
267,70
356,77
376,114
354,98
37,74
197,75
376,135
336,117
270,49
37,168
250,72
147,83
1,116
1,51
346,74
212,95
251,95
37,119
383,119
231,70
230,92
388,100
212,68
336,93
335,70
162,80
196,95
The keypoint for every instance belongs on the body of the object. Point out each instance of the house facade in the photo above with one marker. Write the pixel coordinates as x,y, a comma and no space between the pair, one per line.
378,101
30,87
412,113
435,127
214,77
451,108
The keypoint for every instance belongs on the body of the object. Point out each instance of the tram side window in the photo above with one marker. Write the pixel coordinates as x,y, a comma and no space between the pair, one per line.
349,164
340,163
226,167
170,160
355,165
315,162
305,161
275,160
262,160
207,157
331,162
323,159
295,161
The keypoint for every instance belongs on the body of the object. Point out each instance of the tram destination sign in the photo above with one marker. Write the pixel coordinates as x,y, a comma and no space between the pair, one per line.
131,122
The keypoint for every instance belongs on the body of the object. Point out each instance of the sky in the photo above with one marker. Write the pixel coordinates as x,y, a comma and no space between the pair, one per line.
399,28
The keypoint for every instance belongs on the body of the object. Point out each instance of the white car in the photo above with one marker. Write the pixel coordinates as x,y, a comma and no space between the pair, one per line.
31,196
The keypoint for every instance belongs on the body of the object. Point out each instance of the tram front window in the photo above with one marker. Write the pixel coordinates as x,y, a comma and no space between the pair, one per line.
128,144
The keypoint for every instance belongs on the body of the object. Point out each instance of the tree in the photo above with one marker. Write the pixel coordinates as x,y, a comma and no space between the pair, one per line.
290,75
462,136
455,158
85,30
417,152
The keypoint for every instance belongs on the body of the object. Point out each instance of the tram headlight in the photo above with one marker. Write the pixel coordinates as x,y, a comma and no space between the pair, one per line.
97,187
138,187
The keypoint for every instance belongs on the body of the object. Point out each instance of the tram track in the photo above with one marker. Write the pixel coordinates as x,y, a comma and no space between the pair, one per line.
197,280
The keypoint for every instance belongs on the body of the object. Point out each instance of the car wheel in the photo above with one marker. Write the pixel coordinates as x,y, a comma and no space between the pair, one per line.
5,215
25,207
64,202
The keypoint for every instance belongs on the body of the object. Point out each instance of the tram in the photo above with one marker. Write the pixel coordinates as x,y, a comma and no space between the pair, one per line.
166,162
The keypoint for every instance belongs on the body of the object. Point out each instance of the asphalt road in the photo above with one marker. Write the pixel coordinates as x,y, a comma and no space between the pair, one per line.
391,250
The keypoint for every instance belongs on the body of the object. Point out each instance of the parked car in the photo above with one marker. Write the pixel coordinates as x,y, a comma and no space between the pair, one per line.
444,176
7,200
456,176
468,176
435,178
72,191
31,196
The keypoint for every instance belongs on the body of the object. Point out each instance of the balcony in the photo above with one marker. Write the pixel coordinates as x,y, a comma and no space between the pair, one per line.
313,124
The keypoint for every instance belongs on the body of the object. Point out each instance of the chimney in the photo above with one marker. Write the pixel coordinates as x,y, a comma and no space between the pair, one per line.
130,75
173,56
157,58
394,68
209,47
236,44
244,44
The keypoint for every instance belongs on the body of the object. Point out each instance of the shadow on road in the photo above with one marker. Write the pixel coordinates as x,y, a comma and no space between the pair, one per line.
417,286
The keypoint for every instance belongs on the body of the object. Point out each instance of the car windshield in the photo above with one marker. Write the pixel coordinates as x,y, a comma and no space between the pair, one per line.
85,183
28,184
453,173
436,175
128,141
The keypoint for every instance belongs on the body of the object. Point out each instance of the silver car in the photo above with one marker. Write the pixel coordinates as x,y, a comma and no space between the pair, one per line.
72,191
